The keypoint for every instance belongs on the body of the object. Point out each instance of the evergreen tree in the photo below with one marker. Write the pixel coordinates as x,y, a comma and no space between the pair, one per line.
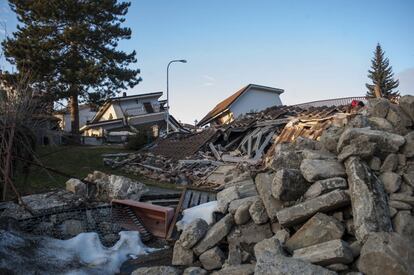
381,75
70,49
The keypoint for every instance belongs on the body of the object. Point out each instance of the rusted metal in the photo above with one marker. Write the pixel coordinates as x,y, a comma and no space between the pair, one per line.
156,219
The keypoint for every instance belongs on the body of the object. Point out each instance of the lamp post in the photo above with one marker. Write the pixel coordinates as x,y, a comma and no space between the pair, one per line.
168,98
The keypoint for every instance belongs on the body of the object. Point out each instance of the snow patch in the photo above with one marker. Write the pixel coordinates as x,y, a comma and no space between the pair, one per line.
83,254
203,211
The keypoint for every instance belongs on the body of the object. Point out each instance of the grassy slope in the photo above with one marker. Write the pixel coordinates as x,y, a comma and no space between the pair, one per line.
73,160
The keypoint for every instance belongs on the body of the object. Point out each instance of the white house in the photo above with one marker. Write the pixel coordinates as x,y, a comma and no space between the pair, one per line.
124,114
86,113
251,98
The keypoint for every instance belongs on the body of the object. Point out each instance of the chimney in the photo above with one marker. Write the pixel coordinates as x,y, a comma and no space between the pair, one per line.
124,94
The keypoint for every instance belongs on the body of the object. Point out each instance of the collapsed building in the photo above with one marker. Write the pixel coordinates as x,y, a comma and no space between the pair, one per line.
288,190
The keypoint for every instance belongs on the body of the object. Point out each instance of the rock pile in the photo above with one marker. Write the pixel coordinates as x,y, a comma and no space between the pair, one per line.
341,204
107,187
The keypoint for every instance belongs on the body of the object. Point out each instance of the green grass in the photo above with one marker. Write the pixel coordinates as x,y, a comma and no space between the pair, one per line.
77,161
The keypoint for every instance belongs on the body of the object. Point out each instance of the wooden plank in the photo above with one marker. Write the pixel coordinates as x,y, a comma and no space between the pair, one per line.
195,199
187,199
249,146
214,151
259,151
203,197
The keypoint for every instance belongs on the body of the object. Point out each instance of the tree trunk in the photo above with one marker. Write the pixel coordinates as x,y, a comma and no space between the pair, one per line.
377,91
74,117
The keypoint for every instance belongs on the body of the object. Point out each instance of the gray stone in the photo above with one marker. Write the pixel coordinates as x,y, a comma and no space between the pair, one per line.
234,205
331,252
402,159
226,196
215,234
72,227
194,232
282,235
212,258
409,178
399,205
285,157
391,181
390,163
76,187
393,211
404,225
272,260
405,188
408,148
386,142
315,169
369,201
318,229
249,233
235,254
316,154
325,186
156,270
329,138
398,118
243,269
356,247
120,187
302,211
337,267
387,254
378,107
246,188
379,123
288,185
193,270
242,214
182,255
404,197
264,188
258,212
407,105
375,163
360,147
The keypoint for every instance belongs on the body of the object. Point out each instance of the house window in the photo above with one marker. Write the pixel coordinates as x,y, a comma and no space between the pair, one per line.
148,107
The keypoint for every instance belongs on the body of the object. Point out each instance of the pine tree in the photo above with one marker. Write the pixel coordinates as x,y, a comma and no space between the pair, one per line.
381,75
70,49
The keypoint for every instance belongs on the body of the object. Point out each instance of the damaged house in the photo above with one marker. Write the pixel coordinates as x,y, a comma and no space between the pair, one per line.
121,116
251,98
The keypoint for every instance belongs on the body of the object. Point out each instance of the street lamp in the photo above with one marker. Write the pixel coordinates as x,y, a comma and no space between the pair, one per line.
168,98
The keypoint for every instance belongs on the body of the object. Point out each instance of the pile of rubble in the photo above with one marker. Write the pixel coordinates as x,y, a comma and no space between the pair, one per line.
190,159
340,204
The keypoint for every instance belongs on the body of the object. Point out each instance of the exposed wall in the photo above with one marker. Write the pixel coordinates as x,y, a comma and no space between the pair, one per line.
254,100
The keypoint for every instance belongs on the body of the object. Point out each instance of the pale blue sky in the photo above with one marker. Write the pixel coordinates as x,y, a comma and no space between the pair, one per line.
311,49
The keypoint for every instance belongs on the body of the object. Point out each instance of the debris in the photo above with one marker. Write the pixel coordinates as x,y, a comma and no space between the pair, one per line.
212,258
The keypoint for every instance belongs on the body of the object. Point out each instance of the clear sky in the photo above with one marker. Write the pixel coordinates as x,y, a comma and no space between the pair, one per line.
313,49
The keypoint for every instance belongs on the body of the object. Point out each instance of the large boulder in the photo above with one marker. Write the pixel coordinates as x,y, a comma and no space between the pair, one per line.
316,169
391,181
399,119
242,214
288,185
318,229
390,163
331,252
243,269
325,186
285,157
226,196
404,225
329,138
360,147
257,212
264,183
215,234
369,201
317,154
271,259
378,107
234,205
212,258
182,255
301,212
379,123
408,148
386,142
194,270
194,232
407,105
387,254
249,233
